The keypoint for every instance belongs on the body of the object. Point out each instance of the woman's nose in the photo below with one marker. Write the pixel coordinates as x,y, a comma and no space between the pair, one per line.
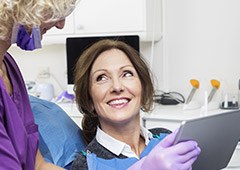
117,86
60,24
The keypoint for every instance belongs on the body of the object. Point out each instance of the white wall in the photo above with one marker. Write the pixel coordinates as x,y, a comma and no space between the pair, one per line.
202,42
54,57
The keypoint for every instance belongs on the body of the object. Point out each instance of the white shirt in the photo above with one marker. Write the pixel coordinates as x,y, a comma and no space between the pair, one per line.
117,147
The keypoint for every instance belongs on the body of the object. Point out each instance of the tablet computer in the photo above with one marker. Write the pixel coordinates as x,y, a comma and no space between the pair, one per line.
217,135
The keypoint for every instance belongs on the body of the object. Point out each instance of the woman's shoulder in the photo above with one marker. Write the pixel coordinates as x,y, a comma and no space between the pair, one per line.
96,148
80,162
157,131
100,151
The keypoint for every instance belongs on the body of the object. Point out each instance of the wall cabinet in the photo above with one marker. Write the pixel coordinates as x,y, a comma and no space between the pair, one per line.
111,17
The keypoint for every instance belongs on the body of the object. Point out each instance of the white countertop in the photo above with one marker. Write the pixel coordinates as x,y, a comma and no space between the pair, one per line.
176,112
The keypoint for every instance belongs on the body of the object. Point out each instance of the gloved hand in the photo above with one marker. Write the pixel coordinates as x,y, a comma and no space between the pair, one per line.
27,42
166,156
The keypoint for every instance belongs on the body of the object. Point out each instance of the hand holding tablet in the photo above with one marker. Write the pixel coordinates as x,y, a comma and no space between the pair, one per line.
217,136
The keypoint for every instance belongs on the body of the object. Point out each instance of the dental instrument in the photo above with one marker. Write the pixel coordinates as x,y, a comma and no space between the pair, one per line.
195,86
215,87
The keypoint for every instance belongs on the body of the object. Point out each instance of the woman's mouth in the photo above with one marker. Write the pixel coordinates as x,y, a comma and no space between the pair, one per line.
118,103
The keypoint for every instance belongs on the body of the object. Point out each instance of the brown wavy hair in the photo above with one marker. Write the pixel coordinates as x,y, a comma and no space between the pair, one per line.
82,70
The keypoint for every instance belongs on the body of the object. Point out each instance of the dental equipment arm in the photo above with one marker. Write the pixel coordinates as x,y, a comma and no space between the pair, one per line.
195,86
215,87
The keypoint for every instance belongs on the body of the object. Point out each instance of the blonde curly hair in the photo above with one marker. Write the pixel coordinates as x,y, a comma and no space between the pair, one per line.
31,12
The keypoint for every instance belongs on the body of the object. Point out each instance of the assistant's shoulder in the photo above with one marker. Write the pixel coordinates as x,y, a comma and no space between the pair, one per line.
9,59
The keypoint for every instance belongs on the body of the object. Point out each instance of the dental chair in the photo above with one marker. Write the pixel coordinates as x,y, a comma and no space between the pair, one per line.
60,139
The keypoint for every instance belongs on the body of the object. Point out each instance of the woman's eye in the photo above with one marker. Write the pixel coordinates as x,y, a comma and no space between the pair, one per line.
101,78
127,74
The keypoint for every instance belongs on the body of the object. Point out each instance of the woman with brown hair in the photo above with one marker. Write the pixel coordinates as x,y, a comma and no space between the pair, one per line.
112,85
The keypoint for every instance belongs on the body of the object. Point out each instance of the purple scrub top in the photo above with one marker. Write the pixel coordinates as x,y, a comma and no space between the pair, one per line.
18,132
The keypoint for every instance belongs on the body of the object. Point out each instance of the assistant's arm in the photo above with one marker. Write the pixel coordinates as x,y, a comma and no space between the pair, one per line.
166,156
41,164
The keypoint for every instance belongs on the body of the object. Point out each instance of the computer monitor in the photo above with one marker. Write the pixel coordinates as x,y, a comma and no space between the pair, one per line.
76,45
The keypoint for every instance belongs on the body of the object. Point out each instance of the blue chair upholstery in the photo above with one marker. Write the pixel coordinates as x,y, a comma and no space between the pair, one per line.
60,137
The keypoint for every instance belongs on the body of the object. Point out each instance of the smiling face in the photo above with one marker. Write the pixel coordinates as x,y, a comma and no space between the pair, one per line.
115,88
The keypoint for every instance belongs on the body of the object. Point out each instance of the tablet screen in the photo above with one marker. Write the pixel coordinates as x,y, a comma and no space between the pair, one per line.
217,135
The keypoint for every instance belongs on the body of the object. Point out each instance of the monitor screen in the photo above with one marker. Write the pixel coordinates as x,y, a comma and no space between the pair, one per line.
76,45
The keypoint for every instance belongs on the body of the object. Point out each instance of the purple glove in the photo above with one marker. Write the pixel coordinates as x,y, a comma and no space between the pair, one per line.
166,156
26,41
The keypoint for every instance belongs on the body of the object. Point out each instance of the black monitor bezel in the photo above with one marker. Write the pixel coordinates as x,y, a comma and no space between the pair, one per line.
76,45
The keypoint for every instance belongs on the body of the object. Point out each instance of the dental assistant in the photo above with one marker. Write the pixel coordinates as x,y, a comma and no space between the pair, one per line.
23,22
112,84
